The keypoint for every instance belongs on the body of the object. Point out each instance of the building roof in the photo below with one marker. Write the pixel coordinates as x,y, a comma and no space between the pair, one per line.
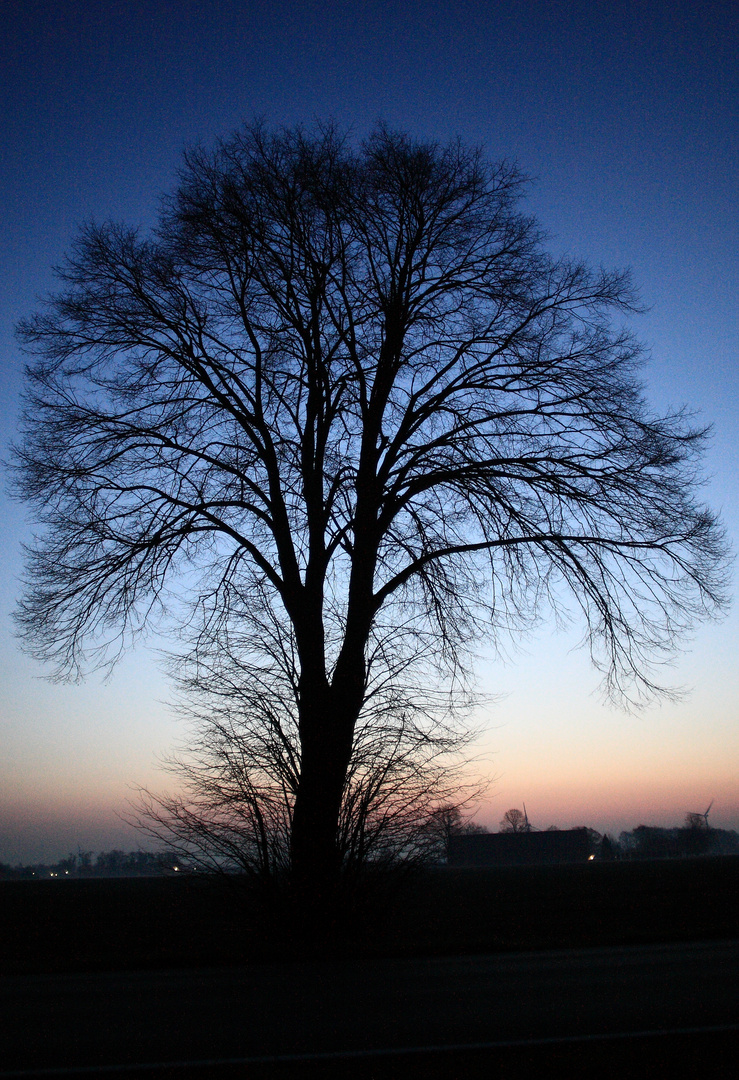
519,849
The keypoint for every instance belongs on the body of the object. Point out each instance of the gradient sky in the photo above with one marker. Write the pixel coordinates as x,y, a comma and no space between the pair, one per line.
626,116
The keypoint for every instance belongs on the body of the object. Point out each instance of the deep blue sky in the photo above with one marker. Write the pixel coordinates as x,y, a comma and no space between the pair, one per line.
625,116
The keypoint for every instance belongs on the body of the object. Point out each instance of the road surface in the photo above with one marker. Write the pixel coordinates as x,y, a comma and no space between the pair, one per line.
268,1015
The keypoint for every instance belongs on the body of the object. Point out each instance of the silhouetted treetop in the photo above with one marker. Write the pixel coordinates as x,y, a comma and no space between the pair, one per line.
514,821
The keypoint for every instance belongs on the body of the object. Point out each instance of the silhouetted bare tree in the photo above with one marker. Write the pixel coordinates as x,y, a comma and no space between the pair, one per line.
514,821
340,412
696,821
238,775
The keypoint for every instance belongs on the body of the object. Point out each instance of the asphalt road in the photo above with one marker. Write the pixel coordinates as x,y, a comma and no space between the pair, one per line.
406,1006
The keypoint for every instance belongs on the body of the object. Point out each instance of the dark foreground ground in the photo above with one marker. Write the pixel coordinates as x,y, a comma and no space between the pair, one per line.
600,970
408,1016
125,924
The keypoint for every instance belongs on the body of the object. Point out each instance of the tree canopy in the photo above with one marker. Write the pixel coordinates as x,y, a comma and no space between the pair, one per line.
337,418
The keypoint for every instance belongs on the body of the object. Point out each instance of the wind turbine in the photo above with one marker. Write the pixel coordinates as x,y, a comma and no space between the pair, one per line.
528,827
704,815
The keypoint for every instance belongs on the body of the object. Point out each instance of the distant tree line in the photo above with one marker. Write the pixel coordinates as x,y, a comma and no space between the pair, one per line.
106,864
650,842
694,838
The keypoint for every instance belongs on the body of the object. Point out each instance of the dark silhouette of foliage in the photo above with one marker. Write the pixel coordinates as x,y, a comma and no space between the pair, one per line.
337,420
107,864
607,849
696,821
514,821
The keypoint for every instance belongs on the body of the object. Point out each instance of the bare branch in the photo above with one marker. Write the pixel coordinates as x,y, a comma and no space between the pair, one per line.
338,417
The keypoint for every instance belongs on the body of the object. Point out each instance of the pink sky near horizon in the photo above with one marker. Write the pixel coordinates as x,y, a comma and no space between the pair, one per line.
548,742
46,830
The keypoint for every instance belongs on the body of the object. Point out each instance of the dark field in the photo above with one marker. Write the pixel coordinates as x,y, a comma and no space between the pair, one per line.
128,924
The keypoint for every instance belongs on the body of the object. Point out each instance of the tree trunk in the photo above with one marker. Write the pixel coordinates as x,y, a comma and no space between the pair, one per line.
328,715
326,743
314,848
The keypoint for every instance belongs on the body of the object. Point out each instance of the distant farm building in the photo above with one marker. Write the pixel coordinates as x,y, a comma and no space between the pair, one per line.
520,849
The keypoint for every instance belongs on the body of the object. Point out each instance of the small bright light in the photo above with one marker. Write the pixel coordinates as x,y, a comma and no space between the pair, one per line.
590,858
175,867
